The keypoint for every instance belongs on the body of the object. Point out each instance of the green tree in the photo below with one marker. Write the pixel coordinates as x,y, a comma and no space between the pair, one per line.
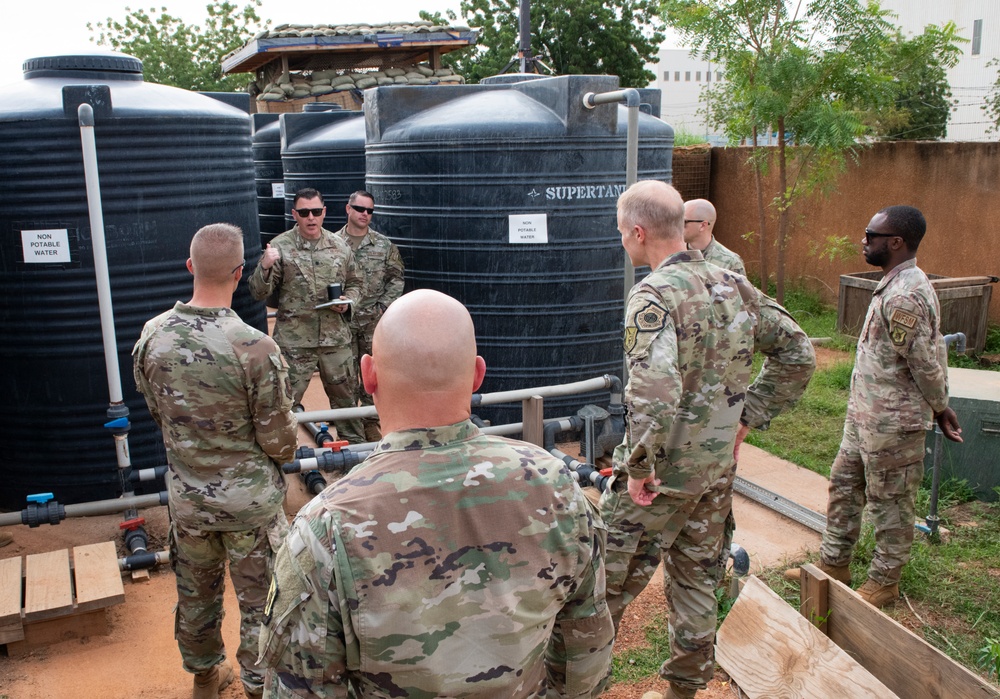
923,96
175,53
992,105
815,79
586,37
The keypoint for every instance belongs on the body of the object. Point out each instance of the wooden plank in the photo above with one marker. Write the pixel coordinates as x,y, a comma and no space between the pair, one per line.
771,651
814,593
532,428
47,632
10,591
11,633
98,580
949,282
48,591
906,663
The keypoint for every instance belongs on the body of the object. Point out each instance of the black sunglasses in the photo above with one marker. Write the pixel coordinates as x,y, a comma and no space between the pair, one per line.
693,220
241,265
869,234
362,209
304,213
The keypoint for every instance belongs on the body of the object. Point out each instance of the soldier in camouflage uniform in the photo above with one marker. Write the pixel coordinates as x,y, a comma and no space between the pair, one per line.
449,563
699,222
689,345
899,386
381,269
219,390
299,265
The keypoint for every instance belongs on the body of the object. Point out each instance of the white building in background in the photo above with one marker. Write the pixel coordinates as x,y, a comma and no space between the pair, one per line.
972,79
681,75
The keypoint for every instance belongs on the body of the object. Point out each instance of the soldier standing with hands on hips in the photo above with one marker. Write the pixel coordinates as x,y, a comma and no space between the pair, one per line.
300,265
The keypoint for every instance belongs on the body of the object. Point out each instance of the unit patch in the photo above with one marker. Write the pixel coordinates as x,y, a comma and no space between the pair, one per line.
903,318
630,335
898,336
650,318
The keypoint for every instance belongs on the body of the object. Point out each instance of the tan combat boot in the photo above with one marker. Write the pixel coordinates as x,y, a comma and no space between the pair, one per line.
839,573
207,684
877,594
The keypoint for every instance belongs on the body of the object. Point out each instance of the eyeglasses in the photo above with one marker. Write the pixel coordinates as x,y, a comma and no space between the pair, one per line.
362,209
304,213
869,234
241,265
693,220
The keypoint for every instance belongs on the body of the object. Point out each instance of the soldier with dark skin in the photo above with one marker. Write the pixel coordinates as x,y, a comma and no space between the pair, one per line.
381,268
450,563
299,265
899,388
219,391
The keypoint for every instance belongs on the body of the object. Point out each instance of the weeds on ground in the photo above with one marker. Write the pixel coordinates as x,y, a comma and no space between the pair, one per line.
639,663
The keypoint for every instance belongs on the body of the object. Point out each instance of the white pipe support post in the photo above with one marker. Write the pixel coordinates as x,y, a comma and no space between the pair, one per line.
89,144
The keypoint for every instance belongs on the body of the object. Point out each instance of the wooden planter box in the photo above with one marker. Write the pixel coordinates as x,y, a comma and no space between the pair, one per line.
965,304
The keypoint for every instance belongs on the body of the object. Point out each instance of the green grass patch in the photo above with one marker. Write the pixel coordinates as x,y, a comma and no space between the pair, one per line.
639,663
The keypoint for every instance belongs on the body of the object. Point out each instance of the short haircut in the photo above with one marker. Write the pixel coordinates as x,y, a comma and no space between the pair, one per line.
906,222
654,205
360,193
216,251
307,193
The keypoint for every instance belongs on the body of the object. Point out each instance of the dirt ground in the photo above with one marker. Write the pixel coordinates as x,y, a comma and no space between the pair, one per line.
139,657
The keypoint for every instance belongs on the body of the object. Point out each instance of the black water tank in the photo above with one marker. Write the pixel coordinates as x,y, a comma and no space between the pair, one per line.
170,161
504,196
325,151
269,178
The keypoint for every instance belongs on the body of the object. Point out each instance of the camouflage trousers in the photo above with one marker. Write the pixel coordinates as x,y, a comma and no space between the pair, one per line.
882,471
198,558
686,534
339,377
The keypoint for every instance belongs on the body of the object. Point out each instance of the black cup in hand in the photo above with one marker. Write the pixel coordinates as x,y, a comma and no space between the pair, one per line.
334,292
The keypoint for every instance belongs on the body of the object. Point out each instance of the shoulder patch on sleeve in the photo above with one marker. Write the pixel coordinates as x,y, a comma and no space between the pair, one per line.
650,318
903,318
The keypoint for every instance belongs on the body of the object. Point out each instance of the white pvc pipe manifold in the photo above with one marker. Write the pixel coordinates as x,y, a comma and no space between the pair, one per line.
89,144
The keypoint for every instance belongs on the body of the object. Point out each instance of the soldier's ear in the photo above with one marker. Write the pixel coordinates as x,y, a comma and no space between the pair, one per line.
369,378
190,265
478,376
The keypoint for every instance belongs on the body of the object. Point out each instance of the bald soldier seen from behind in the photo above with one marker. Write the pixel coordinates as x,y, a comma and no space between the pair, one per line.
449,563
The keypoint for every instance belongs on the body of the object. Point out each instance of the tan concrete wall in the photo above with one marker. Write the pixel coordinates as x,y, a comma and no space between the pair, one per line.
955,185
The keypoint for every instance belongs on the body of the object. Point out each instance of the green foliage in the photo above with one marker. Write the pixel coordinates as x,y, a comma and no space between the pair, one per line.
587,37
815,79
685,138
989,657
838,248
923,96
992,104
175,53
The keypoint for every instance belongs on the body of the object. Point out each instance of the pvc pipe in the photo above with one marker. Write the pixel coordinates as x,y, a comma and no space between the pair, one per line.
567,389
958,339
99,507
144,560
85,114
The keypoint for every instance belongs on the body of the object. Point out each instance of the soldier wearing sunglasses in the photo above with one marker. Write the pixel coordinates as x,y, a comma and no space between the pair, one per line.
300,265
381,268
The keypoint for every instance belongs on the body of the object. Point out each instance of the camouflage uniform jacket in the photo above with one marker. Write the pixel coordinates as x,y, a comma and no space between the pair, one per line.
301,277
218,388
381,268
448,564
721,256
900,374
788,365
689,346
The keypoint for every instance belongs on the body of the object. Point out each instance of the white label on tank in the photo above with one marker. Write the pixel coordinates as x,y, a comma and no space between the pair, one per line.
528,228
46,246
278,190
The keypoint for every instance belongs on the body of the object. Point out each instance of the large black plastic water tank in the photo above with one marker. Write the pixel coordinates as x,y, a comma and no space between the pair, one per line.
325,151
170,161
269,178
453,170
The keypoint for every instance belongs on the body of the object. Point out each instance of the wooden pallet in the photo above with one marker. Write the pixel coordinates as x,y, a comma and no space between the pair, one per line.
55,597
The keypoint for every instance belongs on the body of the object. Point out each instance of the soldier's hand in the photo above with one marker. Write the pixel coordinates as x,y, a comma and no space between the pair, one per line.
639,489
270,256
947,420
741,434
341,308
